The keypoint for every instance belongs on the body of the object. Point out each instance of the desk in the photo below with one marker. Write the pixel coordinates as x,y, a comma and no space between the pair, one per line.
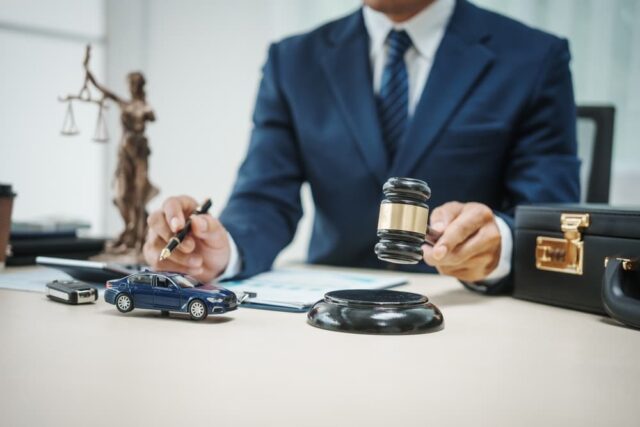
498,362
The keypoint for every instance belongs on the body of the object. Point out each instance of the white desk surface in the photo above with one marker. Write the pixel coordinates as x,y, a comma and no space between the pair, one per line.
498,362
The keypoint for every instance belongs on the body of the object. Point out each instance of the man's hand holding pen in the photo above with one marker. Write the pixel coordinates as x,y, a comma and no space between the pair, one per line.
204,253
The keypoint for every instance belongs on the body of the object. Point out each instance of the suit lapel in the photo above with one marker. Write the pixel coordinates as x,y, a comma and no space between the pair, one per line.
347,67
459,63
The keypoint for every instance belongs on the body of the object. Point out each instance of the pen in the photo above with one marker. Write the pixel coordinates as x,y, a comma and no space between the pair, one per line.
179,237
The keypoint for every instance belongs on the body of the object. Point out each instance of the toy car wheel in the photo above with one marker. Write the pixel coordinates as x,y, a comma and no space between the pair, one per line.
197,310
124,303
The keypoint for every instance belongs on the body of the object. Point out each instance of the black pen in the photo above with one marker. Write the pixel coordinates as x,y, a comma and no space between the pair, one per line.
179,237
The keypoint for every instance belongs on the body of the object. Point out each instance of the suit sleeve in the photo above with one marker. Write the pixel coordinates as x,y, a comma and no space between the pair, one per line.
542,166
264,208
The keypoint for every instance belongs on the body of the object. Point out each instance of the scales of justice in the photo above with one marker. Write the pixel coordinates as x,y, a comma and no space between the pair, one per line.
133,190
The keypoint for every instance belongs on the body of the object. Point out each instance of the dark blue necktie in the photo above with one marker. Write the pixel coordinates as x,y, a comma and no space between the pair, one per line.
393,98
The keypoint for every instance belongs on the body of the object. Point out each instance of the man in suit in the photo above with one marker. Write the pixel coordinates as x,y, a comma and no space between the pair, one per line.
476,104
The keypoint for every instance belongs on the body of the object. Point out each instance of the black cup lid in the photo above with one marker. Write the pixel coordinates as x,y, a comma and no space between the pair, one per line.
6,190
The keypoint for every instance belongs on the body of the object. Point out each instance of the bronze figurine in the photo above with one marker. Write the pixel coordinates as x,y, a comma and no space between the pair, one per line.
133,190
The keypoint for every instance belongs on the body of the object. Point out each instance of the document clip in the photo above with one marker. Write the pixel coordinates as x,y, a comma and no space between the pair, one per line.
244,296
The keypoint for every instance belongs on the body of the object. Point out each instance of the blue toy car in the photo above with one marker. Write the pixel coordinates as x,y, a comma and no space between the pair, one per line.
169,292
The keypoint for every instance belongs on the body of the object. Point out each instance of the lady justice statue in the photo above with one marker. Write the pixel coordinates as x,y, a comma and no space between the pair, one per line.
133,190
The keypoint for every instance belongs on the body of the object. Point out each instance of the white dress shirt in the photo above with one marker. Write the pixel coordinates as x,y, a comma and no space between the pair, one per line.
426,30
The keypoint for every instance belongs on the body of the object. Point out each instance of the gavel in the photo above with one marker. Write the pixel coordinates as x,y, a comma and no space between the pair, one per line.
403,224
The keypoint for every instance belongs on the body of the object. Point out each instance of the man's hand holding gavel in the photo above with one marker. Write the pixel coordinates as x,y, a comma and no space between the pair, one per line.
470,243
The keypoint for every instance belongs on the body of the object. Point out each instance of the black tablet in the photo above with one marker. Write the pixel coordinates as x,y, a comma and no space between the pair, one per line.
89,271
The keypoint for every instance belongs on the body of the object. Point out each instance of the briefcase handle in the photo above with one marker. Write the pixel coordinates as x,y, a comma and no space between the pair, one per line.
621,290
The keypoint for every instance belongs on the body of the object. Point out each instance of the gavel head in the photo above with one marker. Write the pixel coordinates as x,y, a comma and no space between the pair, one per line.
403,220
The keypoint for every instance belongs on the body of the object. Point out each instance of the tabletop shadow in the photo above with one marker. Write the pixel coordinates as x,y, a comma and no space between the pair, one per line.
613,322
182,317
458,297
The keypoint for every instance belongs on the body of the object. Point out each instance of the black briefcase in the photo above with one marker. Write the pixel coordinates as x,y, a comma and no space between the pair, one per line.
560,251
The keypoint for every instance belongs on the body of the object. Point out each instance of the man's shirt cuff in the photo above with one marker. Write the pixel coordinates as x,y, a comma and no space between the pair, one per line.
235,262
503,268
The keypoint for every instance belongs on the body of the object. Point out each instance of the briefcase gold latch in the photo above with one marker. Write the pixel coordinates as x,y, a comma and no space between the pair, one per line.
563,255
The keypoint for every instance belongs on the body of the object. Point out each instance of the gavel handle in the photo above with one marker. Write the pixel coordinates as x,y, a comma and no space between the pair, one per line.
431,237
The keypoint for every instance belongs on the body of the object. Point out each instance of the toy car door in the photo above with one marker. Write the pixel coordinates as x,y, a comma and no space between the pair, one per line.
142,291
165,293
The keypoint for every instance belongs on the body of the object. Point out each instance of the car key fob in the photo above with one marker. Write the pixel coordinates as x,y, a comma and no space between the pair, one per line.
71,292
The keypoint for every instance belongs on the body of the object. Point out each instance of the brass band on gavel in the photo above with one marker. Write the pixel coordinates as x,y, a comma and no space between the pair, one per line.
403,220
397,216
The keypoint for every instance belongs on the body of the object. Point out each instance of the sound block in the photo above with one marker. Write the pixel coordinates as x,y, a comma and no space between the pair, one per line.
381,311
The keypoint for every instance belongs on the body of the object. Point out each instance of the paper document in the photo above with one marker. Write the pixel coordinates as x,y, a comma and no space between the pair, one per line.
29,279
294,289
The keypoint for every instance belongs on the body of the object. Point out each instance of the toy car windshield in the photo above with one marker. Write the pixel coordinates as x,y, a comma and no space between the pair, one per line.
186,281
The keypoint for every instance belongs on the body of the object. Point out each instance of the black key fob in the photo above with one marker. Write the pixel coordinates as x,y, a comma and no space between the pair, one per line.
71,292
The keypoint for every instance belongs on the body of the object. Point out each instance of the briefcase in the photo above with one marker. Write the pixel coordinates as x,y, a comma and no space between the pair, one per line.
560,251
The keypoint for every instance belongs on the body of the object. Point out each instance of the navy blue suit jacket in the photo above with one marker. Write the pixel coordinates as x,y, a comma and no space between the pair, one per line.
495,124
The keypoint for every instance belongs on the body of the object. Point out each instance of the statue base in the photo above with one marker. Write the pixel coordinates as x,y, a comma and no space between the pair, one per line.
119,255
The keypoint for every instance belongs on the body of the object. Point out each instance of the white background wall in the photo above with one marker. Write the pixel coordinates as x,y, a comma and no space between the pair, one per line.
202,59
41,48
